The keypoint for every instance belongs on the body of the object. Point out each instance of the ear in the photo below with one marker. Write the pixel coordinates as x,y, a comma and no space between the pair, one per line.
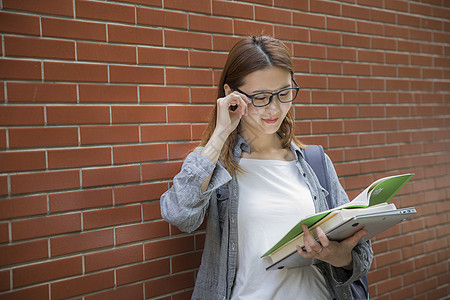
227,89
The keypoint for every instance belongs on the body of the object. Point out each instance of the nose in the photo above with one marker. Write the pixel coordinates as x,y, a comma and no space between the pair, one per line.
274,103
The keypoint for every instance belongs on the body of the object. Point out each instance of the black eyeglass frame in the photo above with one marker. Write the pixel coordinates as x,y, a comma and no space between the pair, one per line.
296,88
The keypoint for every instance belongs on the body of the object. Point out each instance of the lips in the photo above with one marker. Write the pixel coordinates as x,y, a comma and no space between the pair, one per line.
270,120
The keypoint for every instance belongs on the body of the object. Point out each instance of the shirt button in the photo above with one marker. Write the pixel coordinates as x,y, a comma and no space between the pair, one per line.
304,174
315,197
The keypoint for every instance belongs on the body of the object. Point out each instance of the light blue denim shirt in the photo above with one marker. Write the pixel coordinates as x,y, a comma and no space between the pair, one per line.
184,206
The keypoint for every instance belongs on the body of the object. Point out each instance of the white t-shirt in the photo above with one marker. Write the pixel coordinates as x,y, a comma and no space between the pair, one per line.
273,197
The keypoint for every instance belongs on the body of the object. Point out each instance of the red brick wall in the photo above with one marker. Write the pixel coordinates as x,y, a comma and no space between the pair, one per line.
101,100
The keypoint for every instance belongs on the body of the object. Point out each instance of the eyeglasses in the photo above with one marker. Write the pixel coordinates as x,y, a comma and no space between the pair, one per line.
265,98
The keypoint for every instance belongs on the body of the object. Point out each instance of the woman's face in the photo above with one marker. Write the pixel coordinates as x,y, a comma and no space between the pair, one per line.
265,120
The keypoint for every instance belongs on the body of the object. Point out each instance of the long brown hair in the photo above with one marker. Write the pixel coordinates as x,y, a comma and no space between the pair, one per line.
247,56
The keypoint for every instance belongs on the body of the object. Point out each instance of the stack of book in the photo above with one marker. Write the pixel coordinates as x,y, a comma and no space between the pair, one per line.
370,210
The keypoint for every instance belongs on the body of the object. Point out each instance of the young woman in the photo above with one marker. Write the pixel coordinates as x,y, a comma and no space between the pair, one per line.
250,179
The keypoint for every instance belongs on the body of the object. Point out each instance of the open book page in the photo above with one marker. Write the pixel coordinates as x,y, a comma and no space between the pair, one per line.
382,190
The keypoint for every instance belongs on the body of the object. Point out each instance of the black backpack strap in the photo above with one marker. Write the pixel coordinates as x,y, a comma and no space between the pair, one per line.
315,156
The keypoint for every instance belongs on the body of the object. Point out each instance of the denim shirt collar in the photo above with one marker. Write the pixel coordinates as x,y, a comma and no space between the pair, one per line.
242,145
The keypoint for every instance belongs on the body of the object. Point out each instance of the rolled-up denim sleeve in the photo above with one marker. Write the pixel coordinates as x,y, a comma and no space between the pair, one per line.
184,205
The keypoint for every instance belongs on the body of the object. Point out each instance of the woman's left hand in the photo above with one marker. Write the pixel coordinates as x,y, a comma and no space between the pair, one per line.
338,254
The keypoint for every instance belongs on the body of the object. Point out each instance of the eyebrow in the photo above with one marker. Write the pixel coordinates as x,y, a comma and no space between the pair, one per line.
261,91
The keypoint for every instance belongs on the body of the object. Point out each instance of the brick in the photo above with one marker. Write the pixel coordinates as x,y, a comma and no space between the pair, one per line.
166,170
328,67
202,6
47,271
4,185
354,40
203,95
106,53
80,157
309,51
110,176
80,200
47,181
41,92
189,77
210,24
38,292
370,56
23,252
291,33
325,37
83,285
111,216
371,84
2,139
93,93
109,134
326,126
169,132
311,111
357,97
21,115
47,226
39,48
207,59
186,261
181,150
104,11
81,242
273,15
132,292
334,23
63,7
55,71
383,43
232,9
338,53
58,115
151,211
139,193
163,94
342,82
312,81
326,97
135,35
188,114
73,29
325,7
132,74
4,236
163,56
170,284
309,20
17,69
5,280
22,161
138,114
113,258
161,18
140,232
43,137
22,207
242,27
143,271
224,43
18,23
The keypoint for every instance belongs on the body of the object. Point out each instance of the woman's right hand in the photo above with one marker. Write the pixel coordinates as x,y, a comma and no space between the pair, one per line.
230,110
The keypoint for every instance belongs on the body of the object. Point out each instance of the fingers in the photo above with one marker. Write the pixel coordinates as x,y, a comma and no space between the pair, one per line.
354,239
235,103
311,244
